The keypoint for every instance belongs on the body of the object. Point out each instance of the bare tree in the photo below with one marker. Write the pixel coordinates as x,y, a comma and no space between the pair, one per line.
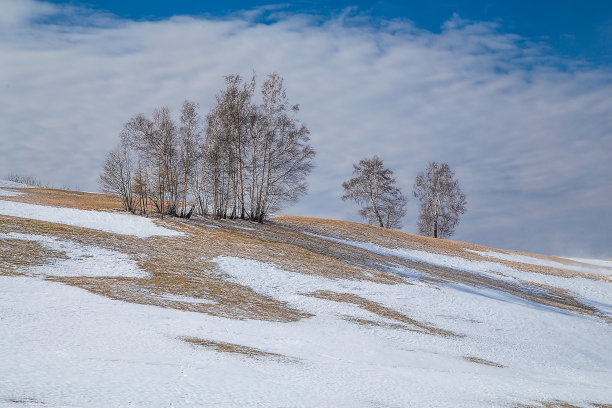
24,179
155,141
116,176
140,187
373,187
442,201
190,139
257,156
226,143
253,158
286,156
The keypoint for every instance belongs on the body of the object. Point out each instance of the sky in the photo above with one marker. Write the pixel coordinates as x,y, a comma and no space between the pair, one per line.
514,96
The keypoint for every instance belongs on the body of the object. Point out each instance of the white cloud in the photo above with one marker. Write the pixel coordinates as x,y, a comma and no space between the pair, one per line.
529,139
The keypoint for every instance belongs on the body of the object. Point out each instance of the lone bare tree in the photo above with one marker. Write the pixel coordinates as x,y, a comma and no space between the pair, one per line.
116,176
442,201
373,187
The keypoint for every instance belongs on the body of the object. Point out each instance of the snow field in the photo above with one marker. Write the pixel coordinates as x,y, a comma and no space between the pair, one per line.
498,327
64,346
67,347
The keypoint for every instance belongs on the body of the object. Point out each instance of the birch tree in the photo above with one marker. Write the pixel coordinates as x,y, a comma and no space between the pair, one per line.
245,160
441,198
190,135
373,187
257,156
286,156
116,176
155,142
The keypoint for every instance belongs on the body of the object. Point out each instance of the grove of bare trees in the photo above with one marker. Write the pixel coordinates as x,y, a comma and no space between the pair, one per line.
373,187
441,198
241,160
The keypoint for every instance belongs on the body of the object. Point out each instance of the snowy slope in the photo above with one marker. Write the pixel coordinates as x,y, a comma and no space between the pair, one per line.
366,343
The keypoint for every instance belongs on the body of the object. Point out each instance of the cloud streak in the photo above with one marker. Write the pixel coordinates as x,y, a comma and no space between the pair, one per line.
528,135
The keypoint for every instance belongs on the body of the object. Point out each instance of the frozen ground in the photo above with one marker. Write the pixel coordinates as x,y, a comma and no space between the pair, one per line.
62,346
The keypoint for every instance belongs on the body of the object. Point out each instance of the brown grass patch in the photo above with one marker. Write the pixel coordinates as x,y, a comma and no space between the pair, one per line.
374,323
478,360
180,265
26,400
397,239
231,348
549,296
561,404
380,310
177,266
66,198
17,254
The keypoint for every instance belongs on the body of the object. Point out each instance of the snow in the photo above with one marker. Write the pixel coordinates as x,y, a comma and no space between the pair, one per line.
126,224
588,267
596,262
82,260
4,184
63,346
9,193
596,293
12,184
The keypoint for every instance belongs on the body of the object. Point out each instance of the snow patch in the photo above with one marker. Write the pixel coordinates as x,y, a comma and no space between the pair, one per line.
549,263
596,262
12,184
82,260
126,224
596,293
9,193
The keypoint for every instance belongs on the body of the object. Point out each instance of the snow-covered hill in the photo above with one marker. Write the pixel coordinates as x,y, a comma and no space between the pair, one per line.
107,309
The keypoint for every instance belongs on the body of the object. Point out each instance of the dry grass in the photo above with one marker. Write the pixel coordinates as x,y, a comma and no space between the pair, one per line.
26,401
549,296
18,254
382,311
176,266
560,404
231,348
396,239
181,266
374,323
66,198
478,360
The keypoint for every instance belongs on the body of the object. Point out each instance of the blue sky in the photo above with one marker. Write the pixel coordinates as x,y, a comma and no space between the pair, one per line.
516,98
580,30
